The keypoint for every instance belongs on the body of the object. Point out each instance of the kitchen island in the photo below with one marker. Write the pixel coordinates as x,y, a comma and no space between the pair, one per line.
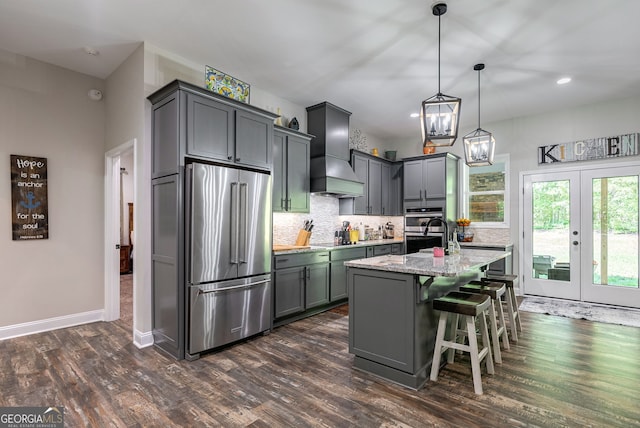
392,323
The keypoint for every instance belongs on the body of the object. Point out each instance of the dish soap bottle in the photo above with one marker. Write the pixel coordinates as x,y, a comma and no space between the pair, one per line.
456,244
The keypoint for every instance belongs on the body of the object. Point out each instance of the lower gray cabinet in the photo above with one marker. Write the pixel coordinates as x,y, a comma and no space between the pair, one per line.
289,291
317,285
301,283
339,270
397,248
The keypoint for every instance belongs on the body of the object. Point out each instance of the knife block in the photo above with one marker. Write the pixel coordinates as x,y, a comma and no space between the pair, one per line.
303,238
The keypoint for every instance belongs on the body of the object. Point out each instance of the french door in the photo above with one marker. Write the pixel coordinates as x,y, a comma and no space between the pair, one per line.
580,237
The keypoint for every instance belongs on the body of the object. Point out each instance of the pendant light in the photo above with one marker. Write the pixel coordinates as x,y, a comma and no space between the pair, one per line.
479,145
439,114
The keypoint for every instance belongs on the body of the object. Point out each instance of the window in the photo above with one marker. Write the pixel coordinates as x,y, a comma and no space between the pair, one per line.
486,193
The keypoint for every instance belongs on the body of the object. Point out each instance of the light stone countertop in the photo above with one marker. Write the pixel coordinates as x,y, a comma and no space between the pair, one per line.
427,265
485,244
332,246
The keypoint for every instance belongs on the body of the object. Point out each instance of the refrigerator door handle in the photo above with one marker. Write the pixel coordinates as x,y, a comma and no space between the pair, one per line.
244,223
234,287
234,222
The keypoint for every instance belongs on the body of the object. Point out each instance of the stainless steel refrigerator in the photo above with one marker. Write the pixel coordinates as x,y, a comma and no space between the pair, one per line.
229,255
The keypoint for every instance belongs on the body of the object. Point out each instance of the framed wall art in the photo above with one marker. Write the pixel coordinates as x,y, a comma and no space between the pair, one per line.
224,84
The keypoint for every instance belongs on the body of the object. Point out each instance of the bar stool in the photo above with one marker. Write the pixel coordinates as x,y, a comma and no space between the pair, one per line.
470,306
498,327
512,302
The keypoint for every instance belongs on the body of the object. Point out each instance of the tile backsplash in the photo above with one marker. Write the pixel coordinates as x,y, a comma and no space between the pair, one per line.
326,220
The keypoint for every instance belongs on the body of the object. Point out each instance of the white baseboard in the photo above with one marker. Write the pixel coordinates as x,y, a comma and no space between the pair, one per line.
49,324
142,339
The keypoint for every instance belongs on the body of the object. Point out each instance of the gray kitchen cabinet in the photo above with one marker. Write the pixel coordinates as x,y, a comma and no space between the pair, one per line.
317,285
291,171
338,283
210,128
397,248
385,189
289,291
381,250
424,179
360,166
395,190
430,177
382,195
301,284
254,140
375,187
201,124
223,132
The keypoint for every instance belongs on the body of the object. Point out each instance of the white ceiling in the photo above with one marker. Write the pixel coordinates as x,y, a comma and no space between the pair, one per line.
375,58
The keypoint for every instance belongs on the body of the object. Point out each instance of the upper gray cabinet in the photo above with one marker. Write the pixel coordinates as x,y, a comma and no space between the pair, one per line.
189,120
430,177
382,185
291,179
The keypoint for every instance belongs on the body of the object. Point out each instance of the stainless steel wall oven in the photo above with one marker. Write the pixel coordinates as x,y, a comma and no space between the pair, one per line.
415,223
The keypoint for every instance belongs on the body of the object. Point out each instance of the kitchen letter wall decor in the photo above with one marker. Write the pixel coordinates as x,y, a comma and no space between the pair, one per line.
595,148
29,206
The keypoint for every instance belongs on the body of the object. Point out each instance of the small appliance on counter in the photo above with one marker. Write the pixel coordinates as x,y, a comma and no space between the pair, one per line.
387,232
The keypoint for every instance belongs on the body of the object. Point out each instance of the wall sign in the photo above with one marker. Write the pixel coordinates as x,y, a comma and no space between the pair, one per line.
596,148
29,205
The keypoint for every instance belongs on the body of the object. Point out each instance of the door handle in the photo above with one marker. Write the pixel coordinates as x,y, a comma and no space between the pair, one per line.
234,287
575,242
242,229
234,222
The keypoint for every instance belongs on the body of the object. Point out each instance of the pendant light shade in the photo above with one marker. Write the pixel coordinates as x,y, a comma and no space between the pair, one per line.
439,114
479,145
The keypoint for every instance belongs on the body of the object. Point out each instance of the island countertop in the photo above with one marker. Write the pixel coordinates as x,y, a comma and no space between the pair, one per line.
426,264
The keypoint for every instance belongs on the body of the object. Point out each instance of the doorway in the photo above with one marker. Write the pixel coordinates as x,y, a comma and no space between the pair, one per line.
580,239
120,179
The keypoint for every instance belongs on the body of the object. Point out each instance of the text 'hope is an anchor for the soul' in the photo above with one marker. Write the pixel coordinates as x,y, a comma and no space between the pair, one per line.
29,204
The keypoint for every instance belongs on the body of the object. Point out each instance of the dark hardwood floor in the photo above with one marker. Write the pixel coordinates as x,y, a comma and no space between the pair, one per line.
562,373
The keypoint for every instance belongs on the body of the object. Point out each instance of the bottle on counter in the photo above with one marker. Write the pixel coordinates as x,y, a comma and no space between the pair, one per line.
361,232
456,244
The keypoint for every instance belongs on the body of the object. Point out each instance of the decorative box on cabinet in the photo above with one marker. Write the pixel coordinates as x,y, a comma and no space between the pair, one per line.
291,159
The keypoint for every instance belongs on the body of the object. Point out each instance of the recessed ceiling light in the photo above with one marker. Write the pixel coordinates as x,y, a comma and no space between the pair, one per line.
563,81
415,115
91,51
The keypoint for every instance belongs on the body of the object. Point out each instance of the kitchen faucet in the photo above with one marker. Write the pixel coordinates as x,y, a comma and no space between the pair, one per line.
445,244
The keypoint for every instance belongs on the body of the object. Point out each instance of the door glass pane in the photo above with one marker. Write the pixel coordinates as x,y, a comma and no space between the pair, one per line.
615,231
551,235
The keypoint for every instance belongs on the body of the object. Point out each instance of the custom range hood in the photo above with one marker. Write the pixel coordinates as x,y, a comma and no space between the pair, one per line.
331,172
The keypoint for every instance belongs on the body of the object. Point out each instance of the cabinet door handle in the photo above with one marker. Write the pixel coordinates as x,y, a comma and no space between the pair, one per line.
229,157
420,194
288,204
308,272
237,159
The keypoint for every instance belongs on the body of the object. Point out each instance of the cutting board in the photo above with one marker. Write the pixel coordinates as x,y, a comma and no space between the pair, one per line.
278,247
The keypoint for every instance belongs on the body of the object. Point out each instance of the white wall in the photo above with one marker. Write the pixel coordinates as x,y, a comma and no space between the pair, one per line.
45,112
126,121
